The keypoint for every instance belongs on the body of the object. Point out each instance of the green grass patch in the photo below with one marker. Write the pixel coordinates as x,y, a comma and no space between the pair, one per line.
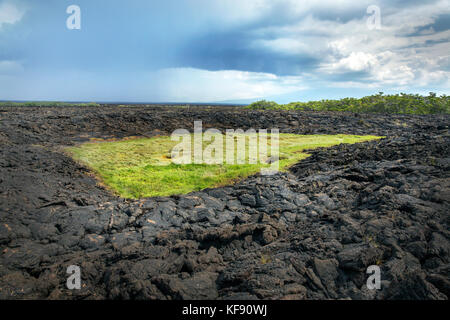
143,167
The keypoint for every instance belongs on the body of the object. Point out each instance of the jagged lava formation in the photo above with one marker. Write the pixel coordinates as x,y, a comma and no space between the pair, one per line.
309,233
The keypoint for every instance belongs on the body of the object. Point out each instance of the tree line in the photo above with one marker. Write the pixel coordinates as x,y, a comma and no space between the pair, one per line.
378,103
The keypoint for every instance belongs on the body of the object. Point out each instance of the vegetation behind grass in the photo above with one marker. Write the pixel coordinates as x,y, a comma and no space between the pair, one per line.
378,103
143,168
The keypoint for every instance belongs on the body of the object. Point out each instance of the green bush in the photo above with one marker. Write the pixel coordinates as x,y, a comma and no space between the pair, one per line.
263,104
378,103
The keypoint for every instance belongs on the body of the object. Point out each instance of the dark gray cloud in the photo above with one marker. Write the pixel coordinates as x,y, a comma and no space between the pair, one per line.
233,51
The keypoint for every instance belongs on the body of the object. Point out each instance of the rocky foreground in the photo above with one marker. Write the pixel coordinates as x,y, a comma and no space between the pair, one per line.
310,233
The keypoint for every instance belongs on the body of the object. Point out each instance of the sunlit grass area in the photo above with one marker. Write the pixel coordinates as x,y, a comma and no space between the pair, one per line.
143,167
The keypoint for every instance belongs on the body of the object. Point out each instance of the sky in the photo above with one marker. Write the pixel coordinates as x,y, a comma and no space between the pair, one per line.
222,50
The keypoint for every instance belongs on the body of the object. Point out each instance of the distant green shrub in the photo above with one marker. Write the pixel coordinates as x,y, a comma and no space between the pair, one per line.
378,103
263,104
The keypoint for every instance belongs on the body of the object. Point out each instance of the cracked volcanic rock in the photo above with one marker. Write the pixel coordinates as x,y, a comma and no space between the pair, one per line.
309,233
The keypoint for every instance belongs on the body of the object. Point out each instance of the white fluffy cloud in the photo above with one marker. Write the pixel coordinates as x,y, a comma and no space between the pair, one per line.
405,51
188,84
9,13
356,61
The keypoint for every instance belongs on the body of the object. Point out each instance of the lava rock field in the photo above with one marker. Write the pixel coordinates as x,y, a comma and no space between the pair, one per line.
309,233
